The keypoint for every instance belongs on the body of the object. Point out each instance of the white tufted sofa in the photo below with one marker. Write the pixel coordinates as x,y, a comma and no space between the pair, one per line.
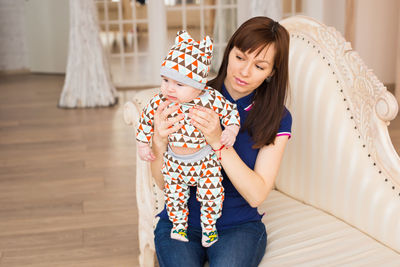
337,197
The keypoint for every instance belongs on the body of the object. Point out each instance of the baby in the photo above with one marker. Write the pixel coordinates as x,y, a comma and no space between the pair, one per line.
189,160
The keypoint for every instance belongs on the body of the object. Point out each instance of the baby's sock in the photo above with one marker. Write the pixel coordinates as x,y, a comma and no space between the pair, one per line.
179,234
210,236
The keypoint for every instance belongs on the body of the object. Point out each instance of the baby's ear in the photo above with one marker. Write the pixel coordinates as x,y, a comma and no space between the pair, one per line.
183,36
208,41
208,44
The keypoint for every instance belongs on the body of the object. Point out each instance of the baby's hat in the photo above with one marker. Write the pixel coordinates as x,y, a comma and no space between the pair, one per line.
188,61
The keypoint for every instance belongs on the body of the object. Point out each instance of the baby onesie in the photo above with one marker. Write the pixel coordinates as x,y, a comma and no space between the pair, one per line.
201,169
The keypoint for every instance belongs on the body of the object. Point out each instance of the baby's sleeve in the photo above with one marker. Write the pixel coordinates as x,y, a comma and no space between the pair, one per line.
144,130
229,115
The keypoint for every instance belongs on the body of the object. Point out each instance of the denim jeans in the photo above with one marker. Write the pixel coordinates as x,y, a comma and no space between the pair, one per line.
240,246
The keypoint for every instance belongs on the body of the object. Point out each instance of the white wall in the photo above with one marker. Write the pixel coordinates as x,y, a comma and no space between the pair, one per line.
314,9
376,23
335,14
376,27
329,12
47,30
397,73
13,48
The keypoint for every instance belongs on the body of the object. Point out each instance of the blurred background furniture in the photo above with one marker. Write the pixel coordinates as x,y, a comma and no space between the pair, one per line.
337,197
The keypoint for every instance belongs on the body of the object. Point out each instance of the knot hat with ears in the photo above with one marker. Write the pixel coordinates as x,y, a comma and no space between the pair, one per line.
188,61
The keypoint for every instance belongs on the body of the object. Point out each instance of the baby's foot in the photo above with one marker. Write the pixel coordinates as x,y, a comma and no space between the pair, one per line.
179,234
209,238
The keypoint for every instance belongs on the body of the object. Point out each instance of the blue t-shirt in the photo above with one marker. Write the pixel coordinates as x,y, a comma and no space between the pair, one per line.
235,209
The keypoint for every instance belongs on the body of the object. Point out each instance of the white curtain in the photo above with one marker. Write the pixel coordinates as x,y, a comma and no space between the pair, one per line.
87,82
224,26
226,22
268,8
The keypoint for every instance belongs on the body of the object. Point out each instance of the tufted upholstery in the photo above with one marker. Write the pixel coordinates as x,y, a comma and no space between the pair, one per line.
337,196
340,155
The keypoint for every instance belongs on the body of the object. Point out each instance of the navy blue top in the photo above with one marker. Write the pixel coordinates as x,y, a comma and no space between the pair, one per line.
235,209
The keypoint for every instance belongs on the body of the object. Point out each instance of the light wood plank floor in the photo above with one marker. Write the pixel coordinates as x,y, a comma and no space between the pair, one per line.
67,179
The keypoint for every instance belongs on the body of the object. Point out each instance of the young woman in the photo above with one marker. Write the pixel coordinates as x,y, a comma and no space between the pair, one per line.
254,75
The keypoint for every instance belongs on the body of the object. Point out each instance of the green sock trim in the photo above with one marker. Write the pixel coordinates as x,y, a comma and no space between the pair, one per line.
180,232
212,236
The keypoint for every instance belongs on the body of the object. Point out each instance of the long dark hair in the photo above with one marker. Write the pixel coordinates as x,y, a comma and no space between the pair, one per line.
264,118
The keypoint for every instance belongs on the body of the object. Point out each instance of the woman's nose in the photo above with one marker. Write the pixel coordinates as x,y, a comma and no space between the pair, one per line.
245,70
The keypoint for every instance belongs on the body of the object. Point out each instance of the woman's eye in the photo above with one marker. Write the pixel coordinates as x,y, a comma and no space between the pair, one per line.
260,68
239,57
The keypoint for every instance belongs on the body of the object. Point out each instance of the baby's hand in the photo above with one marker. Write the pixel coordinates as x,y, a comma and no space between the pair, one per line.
145,152
228,135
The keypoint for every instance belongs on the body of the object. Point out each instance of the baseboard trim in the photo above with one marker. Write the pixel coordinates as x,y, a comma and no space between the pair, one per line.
14,72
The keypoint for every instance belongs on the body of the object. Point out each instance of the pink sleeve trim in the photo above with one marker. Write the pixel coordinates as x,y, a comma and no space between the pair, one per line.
284,133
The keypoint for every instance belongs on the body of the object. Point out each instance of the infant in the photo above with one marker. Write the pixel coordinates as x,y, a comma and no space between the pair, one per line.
189,160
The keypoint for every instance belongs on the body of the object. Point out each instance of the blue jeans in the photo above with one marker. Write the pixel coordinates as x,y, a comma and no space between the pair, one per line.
240,246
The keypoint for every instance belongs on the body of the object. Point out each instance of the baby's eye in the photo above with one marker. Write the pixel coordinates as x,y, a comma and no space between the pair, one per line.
179,84
165,80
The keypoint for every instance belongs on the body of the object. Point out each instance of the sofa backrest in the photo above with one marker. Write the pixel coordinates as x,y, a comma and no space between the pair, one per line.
340,157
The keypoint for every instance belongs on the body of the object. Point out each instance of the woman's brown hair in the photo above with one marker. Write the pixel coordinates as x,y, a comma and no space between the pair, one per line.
265,116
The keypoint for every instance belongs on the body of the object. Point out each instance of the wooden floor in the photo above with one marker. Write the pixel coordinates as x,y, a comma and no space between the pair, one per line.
67,179
67,188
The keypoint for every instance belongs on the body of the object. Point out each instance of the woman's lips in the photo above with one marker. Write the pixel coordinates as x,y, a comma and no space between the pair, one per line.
240,82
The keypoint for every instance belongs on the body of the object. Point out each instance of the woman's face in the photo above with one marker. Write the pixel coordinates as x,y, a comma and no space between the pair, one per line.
246,71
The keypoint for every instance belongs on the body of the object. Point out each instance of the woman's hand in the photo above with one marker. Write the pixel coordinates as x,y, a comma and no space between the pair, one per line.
207,121
164,126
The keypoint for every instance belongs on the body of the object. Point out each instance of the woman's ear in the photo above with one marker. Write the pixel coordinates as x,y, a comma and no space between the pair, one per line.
268,79
272,72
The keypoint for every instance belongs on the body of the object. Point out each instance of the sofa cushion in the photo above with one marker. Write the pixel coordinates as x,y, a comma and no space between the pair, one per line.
299,234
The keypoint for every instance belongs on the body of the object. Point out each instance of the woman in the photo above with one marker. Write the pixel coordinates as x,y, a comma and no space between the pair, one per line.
254,75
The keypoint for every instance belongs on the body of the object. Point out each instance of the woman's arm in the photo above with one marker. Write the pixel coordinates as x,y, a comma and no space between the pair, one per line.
162,128
158,150
253,185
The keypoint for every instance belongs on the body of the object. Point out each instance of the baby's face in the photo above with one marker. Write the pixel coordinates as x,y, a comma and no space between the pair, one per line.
178,92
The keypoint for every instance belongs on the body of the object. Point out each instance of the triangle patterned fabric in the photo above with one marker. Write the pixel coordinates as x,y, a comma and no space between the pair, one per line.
179,175
188,135
206,175
188,61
